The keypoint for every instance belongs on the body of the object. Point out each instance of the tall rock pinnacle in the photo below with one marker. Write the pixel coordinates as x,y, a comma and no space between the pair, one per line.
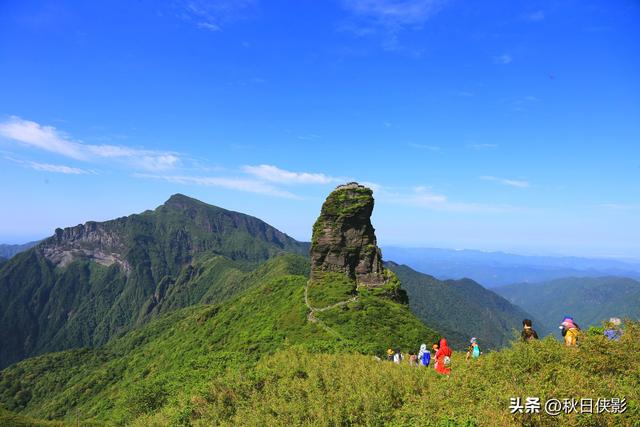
344,239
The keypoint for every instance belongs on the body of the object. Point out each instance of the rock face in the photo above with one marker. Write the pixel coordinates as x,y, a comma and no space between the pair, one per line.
93,241
344,239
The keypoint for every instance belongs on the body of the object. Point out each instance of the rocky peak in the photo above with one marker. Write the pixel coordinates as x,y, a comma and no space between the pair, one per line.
344,239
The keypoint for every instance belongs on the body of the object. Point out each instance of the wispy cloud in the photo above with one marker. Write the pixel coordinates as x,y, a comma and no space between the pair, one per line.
503,59
425,198
536,16
48,138
388,18
230,183
510,182
394,13
213,15
275,174
48,167
621,206
424,146
483,146
308,137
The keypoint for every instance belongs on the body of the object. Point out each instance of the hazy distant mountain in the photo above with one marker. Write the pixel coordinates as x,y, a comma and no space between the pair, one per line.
7,251
461,309
499,268
589,300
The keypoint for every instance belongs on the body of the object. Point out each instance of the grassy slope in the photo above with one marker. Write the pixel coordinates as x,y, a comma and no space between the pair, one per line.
588,300
10,419
182,351
294,387
460,309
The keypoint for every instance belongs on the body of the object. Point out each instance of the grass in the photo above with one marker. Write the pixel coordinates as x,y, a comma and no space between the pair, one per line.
330,288
296,387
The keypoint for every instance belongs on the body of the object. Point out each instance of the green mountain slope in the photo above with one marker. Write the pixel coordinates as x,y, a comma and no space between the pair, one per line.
296,387
181,352
589,300
95,281
461,309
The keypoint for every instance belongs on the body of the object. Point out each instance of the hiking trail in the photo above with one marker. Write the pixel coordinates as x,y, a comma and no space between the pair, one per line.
311,317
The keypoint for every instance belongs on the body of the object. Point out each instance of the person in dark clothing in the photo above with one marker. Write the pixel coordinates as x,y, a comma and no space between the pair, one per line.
528,333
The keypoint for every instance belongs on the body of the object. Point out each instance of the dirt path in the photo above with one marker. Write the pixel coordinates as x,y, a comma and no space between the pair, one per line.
311,317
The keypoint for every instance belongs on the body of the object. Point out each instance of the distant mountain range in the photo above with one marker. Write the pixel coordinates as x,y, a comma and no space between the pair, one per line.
589,300
461,309
497,268
7,251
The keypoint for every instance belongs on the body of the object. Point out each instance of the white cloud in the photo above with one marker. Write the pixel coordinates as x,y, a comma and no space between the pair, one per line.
510,182
48,167
208,26
213,15
48,138
394,13
424,197
504,59
309,137
424,146
42,137
274,174
239,184
386,19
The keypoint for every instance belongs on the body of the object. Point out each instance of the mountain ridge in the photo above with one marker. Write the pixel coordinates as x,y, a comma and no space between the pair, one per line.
88,283
589,300
461,309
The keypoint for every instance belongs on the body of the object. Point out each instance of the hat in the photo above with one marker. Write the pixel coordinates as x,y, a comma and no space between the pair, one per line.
473,340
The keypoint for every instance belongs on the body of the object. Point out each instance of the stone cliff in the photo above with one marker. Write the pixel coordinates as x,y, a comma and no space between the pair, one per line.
344,239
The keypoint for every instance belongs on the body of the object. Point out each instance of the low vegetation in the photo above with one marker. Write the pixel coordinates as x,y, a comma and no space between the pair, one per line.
298,387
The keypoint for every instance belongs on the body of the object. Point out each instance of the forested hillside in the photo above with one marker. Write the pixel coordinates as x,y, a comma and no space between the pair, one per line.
461,309
95,281
589,300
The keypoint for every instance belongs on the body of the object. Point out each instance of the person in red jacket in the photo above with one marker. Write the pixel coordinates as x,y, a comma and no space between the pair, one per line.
443,358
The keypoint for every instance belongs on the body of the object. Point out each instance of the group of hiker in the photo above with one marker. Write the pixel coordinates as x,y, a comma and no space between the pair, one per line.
441,356
442,353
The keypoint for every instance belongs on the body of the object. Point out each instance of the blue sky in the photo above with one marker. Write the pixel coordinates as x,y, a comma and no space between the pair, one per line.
506,125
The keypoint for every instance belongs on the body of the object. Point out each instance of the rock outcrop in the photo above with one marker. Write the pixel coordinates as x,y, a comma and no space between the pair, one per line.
344,239
92,241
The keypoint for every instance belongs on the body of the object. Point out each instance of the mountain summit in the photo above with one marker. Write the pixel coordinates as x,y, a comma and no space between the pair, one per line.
91,282
344,239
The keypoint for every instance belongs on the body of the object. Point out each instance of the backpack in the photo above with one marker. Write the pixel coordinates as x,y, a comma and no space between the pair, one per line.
426,358
446,362
476,352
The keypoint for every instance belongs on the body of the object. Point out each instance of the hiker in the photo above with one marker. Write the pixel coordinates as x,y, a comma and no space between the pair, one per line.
473,350
435,351
424,356
390,354
612,329
397,357
570,331
443,358
528,333
413,359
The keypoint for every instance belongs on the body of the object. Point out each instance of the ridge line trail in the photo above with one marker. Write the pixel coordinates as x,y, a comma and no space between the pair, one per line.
311,317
